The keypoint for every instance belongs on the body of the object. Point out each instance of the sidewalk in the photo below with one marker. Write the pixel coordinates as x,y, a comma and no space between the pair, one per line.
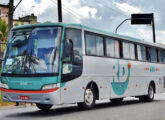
12,106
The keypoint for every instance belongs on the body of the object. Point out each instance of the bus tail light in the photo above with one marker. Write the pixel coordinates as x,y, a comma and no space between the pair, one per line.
50,86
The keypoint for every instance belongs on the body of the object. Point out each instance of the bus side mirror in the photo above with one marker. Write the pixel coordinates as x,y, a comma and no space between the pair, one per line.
3,43
68,51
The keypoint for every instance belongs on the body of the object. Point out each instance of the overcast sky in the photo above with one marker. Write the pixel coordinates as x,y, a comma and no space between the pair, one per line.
102,14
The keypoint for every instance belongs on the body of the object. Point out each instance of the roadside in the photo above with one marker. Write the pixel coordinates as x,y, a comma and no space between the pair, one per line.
5,104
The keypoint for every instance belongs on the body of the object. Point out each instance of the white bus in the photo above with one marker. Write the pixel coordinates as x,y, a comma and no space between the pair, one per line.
57,63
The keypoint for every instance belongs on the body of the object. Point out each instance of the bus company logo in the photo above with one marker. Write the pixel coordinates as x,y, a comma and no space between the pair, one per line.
121,77
151,69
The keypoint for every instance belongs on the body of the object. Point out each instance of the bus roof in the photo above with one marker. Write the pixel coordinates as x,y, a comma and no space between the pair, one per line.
93,30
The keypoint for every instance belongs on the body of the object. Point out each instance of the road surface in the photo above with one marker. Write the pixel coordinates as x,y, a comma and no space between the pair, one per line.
130,109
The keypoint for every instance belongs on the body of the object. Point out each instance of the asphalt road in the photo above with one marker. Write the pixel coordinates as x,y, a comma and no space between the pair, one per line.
130,109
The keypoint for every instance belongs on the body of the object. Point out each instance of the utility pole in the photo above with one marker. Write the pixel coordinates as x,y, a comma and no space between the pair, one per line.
153,29
11,12
59,7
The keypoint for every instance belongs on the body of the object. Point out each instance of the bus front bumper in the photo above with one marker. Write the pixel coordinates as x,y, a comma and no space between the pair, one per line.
44,96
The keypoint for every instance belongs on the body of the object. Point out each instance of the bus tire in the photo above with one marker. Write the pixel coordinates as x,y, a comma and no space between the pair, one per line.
150,96
43,106
116,100
89,99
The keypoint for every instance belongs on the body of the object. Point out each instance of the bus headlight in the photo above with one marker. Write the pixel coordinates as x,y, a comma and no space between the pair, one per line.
50,86
3,85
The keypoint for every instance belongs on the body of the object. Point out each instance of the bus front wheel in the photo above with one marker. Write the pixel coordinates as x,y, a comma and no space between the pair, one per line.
89,99
43,106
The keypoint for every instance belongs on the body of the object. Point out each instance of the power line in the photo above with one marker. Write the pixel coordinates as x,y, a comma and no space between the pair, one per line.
105,5
124,8
74,13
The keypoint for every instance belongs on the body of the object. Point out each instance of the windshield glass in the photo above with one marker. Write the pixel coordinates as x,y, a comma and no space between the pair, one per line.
32,51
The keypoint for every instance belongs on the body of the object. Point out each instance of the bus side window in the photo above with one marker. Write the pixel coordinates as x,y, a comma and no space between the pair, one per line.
136,52
117,48
148,54
99,46
141,52
113,48
110,48
128,50
153,54
73,69
161,56
132,51
90,44
94,45
75,36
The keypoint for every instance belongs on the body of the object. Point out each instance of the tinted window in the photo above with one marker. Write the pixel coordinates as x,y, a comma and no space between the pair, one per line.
75,36
90,44
99,46
141,52
128,50
132,51
94,45
117,48
153,55
161,55
72,41
110,47
148,53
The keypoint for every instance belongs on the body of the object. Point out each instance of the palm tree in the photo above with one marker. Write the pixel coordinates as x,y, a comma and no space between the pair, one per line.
3,31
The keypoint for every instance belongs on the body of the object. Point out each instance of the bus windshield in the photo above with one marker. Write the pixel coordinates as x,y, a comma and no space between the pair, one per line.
32,51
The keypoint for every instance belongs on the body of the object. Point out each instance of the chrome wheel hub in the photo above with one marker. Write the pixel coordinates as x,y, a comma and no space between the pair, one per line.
89,97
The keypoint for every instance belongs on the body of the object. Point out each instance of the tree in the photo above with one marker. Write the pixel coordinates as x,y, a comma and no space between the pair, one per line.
3,31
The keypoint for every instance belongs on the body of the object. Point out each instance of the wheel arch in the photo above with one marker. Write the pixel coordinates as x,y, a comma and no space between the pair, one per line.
153,83
95,87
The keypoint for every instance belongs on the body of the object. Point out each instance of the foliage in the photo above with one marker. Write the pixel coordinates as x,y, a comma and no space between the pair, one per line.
3,31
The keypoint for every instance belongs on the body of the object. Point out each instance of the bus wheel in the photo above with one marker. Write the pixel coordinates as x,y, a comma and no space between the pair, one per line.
43,106
116,100
89,99
150,96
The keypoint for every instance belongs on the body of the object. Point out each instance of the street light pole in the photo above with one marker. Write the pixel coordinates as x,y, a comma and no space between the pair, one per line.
11,12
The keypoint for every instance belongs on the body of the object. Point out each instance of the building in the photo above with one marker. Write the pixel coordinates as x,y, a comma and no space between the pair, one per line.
18,22
29,19
4,10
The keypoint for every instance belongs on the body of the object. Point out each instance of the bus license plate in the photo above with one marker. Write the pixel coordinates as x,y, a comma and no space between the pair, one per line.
24,98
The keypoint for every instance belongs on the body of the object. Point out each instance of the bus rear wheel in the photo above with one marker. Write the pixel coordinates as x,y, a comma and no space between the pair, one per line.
150,96
89,99
43,106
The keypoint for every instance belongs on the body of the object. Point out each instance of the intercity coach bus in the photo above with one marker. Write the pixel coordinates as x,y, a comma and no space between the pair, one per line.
57,63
